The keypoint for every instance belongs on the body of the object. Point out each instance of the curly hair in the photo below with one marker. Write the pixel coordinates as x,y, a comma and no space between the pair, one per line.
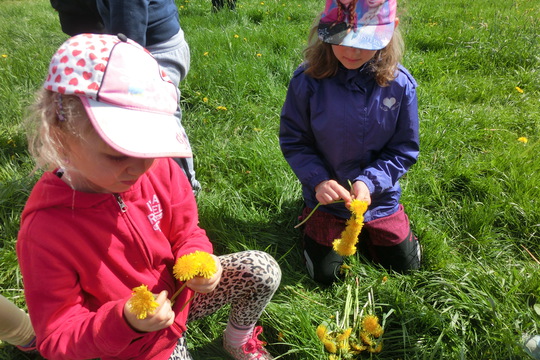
321,62
50,121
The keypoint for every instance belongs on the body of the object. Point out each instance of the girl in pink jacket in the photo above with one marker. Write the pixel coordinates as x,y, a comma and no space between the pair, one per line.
113,212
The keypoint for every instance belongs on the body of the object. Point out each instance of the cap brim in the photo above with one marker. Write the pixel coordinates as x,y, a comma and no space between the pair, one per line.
138,133
368,37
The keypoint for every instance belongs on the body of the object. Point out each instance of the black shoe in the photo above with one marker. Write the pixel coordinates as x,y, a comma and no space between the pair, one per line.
322,262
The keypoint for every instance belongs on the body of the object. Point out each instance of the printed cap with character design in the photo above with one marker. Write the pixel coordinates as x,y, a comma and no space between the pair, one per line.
129,99
363,24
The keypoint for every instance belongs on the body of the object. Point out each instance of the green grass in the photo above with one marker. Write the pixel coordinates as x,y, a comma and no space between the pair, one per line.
473,197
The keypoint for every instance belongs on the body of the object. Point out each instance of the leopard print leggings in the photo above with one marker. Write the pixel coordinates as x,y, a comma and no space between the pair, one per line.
248,282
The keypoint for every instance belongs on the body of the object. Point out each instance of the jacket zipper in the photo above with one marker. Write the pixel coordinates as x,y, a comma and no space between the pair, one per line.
123,206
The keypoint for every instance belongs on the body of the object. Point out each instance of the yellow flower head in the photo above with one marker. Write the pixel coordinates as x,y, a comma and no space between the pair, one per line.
221,108
523,139
519,90
375,349
344,335
198,263
370,323
330,346
346,246
366,338
142,302
358,347
207,265
321,332
358,207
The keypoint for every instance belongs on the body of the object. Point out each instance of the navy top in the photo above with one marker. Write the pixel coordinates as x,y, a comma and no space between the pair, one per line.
348,128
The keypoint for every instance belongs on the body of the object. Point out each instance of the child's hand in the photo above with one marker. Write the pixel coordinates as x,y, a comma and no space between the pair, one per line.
329,191
162,317
202,285
360,191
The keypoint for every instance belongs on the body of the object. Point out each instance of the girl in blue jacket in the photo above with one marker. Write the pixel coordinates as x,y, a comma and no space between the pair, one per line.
351,117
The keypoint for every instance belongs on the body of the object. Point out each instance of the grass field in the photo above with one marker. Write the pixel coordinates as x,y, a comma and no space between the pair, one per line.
473,197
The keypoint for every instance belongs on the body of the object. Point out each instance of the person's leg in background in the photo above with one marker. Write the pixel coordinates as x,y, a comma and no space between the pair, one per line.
174,57
15,326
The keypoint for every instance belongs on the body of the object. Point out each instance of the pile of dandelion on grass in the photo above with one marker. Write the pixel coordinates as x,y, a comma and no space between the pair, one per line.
355,331
198,263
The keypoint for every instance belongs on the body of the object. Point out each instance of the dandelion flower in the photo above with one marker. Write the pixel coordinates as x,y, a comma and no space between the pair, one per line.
223,108
321,332
185,269
4,56
205,53
205,99
370,323
346,245
366,338
358,207
207,265
330,346
523,139
198,263
344,335
259,55
358,347
375,349
343,248
519,90
142,302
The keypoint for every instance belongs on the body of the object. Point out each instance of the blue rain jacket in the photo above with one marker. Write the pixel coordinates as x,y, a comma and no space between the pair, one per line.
348,128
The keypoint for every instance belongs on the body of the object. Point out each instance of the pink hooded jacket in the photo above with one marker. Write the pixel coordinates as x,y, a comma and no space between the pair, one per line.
81,254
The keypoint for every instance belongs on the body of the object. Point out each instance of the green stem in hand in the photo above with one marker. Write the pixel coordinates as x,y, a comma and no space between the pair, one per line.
177,293
311,213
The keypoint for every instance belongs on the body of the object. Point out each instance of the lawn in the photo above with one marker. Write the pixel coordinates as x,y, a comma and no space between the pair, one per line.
473,197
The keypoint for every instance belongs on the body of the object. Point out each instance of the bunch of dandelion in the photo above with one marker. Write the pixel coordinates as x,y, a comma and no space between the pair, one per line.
343,339
346,245
142,302
198,263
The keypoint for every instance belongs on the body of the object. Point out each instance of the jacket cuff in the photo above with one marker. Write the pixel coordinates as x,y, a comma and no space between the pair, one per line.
368,182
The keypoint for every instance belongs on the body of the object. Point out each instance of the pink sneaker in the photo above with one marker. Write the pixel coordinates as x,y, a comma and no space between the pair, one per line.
253,349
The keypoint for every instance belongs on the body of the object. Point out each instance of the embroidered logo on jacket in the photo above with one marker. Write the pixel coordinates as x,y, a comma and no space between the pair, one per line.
389,104
156,212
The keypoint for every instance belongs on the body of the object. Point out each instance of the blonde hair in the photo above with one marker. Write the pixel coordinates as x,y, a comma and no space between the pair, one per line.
322,63
51,120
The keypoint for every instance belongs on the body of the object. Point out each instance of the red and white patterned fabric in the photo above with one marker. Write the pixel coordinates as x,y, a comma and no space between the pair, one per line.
127,96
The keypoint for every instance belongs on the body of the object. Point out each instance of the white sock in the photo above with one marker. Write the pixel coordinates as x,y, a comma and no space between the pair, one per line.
237,335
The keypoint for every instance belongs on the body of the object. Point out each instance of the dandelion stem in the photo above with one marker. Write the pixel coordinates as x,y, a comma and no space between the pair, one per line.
178,293
187,302
312,211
